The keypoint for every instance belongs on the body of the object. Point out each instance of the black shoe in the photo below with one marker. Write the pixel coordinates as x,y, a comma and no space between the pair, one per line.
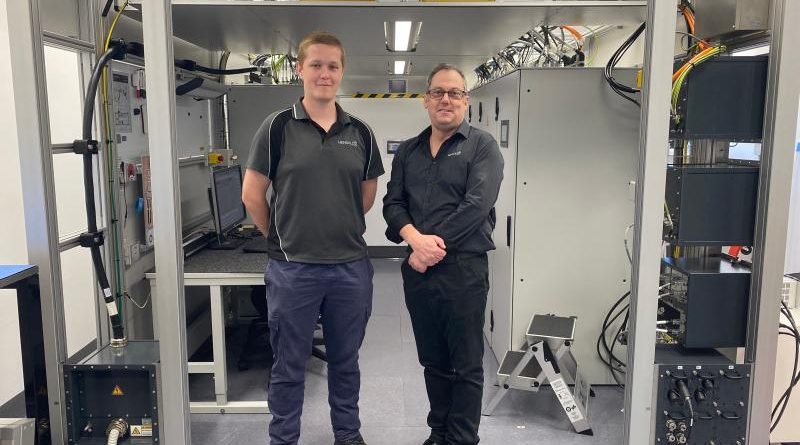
431,442
354,441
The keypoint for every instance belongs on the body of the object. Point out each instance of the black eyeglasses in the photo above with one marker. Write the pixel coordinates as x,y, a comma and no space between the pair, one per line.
454,94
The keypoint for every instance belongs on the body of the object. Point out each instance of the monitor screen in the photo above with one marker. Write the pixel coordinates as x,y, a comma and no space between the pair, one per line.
226,198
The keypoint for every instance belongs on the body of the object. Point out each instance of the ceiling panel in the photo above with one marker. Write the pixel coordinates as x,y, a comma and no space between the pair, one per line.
465,34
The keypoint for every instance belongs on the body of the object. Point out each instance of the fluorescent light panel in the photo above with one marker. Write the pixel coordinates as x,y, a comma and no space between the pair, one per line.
399,67
402,35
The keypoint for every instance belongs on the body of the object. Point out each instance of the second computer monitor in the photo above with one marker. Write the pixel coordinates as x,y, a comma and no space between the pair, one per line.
226,198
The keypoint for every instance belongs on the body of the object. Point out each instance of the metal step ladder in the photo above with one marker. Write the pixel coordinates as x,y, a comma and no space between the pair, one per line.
529,369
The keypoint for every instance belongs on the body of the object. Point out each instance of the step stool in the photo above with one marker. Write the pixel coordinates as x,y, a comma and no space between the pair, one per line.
529,369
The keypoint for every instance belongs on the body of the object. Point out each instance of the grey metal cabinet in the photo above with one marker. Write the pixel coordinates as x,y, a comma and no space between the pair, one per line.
570,148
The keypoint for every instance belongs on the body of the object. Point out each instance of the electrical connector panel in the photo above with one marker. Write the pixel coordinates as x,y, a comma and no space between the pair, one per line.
718,397
711,205
711,297
723,98
114,384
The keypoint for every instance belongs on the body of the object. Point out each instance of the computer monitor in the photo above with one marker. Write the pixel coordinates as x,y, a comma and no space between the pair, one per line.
226,202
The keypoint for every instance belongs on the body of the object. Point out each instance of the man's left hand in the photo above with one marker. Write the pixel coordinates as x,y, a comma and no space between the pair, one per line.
416,263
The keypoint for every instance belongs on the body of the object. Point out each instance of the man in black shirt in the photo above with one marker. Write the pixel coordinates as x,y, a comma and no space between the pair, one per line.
440,200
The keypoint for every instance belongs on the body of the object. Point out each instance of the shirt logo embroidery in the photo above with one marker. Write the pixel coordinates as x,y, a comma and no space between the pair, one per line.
455,153
353,144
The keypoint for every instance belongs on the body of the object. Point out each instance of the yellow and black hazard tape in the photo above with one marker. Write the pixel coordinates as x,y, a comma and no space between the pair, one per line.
388,95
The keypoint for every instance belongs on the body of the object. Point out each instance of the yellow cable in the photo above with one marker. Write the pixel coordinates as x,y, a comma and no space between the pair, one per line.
683,72
110,153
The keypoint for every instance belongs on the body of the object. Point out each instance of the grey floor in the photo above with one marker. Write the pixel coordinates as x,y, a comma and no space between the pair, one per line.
393,401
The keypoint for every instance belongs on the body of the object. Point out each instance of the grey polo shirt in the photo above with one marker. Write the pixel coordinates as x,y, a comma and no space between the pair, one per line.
317,212
451,195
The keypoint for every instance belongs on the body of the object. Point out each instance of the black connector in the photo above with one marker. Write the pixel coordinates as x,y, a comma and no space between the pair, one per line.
188,65
91,239
683,389
700,395
732,374
122,48
677,415
84,147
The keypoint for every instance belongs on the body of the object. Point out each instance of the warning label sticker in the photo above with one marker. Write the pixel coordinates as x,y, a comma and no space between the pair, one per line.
567,401
147,427
117,391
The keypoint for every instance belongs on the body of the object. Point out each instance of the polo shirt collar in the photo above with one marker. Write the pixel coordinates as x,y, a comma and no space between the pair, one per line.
299,112
463,130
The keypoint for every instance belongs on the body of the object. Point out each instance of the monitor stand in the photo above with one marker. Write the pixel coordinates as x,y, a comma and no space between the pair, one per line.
225,243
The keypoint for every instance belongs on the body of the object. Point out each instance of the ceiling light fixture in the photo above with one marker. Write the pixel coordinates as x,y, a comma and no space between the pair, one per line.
399,67
402,35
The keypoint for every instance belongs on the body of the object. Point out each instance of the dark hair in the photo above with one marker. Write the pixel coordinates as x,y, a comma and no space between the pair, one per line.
449,67
318,38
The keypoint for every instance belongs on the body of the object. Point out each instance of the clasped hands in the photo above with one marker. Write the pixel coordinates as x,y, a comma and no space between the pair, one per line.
427,251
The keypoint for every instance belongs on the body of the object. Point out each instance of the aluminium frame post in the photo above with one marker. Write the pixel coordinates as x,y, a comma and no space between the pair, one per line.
650,187
41,229
772,215
169,302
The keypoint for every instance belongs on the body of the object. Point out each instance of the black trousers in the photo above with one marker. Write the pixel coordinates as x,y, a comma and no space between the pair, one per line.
447,305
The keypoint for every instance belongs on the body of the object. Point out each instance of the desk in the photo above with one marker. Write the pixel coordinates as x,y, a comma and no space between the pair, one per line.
215,269
25,280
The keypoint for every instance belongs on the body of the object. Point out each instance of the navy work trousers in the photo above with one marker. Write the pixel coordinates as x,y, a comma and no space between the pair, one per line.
297,294
447,305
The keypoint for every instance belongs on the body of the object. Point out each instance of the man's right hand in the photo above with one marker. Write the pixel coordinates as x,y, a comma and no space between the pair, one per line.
429,249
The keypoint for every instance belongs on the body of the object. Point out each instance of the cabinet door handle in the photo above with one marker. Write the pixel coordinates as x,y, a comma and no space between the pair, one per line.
508,231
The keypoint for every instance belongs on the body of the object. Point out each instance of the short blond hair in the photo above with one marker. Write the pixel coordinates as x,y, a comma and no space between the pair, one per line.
318,38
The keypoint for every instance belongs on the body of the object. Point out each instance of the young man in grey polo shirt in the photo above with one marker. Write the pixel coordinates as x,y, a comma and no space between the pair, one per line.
440,200
323,166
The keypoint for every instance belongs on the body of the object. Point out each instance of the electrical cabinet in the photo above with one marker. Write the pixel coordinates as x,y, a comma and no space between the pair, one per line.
570,147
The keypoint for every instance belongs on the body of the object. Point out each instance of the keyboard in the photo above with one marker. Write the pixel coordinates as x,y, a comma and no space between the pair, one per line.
228,243
256,245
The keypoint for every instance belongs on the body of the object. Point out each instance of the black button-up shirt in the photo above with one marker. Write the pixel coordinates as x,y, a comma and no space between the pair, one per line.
451,195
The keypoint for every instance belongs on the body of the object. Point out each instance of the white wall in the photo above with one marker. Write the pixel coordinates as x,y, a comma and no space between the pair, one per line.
390,119
600,49
12,236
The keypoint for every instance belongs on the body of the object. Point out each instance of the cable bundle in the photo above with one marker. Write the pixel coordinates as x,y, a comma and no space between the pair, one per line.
679,76
622,90
789,330
614,364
